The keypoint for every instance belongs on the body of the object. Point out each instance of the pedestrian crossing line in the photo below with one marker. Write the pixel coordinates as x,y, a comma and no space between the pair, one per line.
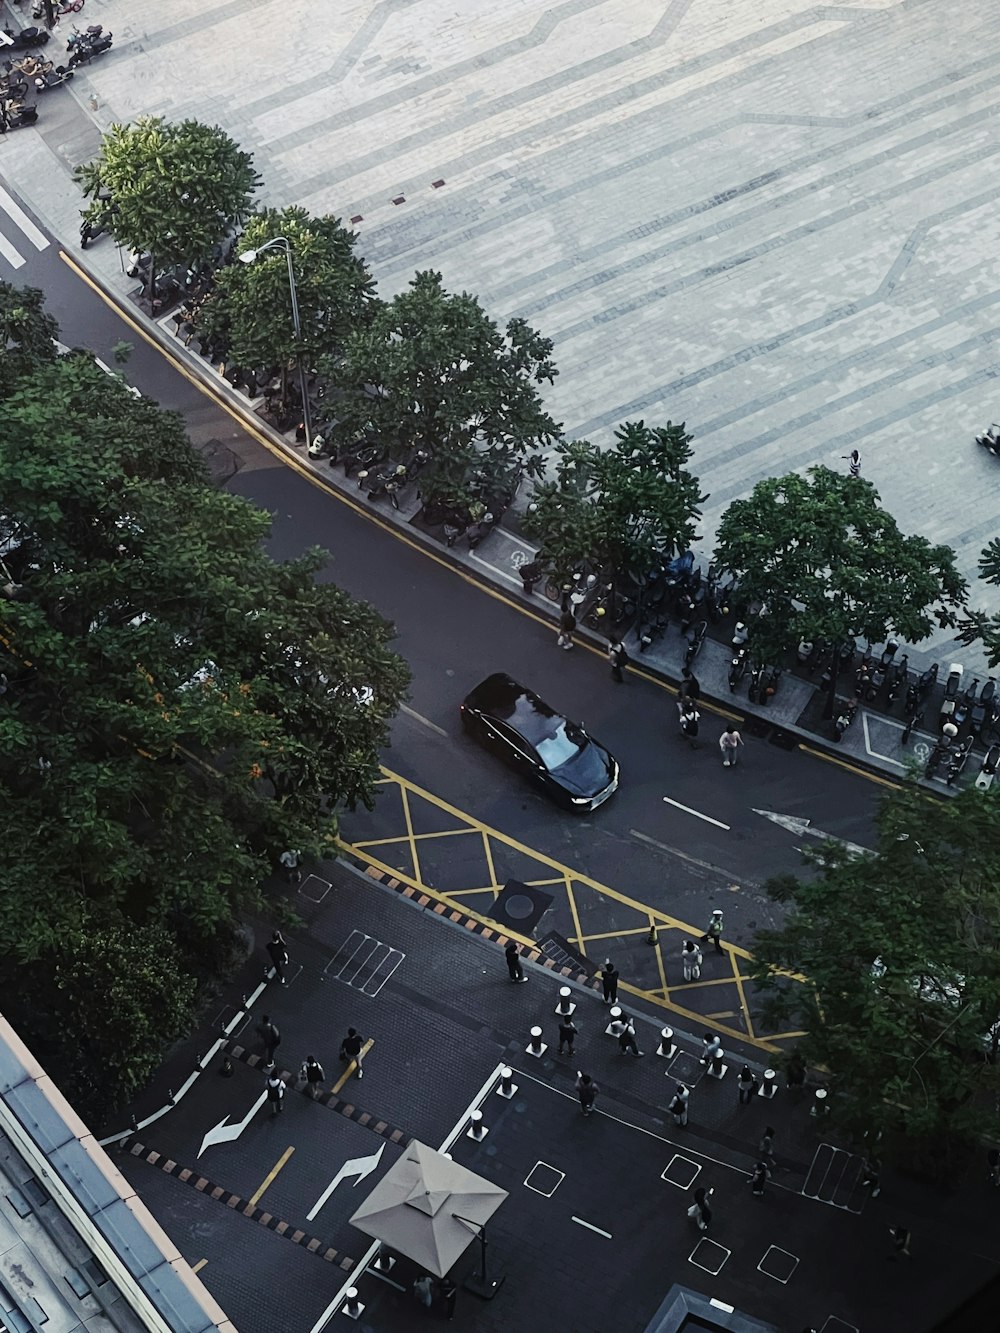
12,256
17,215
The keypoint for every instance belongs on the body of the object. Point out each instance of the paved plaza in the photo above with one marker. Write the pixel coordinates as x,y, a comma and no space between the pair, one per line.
773,220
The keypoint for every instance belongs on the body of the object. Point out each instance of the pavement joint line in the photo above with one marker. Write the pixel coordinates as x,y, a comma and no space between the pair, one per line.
271,1176
236,1204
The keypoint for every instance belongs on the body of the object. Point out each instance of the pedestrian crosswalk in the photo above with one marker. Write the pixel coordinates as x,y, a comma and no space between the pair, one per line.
12,215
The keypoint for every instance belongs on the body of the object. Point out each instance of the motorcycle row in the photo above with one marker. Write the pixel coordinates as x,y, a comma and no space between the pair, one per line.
30,72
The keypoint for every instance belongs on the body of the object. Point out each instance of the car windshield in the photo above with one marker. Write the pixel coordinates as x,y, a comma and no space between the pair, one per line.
560,745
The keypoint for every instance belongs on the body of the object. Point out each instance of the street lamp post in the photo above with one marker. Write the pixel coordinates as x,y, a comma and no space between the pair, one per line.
248,257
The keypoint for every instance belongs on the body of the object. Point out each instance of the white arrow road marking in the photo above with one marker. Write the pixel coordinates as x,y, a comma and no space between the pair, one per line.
697,813
357,1166
801,828
225,1132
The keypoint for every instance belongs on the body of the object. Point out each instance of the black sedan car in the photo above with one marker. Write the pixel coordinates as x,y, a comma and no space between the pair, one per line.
556,754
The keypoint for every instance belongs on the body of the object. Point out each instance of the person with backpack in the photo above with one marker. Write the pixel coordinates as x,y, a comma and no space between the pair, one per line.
567,624
688,716
618,658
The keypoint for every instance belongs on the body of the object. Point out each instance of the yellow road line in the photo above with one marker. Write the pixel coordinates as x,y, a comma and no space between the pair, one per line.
352,1067
700,985
404,797
489,861
614,934
743,999
851,768
196,1268
659,961
269,1178
416,837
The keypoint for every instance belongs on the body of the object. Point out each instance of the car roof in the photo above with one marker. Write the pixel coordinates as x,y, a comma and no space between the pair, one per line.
505,700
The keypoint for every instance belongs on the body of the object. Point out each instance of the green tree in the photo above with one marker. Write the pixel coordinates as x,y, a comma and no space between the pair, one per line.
832,566
432,371
982,624
250,307
176,707
622,507
177,188
27,334
900,948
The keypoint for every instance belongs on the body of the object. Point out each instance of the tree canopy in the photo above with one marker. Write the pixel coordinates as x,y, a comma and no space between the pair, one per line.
250,306
177,187
981,624
432,371
624,507
176,707
832,565
27,332
900,952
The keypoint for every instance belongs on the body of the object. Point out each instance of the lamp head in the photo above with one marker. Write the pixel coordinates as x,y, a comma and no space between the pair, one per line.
248,256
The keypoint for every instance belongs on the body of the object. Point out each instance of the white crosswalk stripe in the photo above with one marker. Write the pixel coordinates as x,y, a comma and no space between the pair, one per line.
24,224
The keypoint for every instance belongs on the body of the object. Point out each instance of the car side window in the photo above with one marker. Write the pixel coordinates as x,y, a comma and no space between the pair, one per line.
514,740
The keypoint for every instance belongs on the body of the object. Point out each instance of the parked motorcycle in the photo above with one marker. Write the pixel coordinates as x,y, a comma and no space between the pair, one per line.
942,750
988,771
927,680
958,761
27,38
756,673
15,114
984,710
844,718
84,52
738,667
769,683
952,687
695,639
91,33
46,82
913,720
990,439
964,704
898,675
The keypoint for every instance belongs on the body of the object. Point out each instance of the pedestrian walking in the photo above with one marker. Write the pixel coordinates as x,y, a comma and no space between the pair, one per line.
513,955
449,1294
312,1072
290,860
993,1163
567,1035
690,689
350,1049
871,1173
609,981
758,1179
766,1150
900,1242
618,658
688,717
627,1044
729,743
691,960
278,951
567,624
853,462
679,1105
423,1290
714,931
275,1093
699,1212
270,1039
747,1084
711,1048
586,1090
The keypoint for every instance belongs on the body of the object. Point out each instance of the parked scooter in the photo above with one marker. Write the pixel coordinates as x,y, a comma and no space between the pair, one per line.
990,439
769,683
984,710
756,674
84,52
15,114
844,718
958,761
942,750
927,680
988,771
92,32
952,686
963,705
695,639
46,82
27,38
738,666
913,720
898,675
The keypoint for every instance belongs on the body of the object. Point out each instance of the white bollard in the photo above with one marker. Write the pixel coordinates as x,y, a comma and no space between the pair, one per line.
352,1307
565,1007
768,1084
477,1130
819,1106
384,1261
507,1087
615,1024
667,1047
536,1046
716,1068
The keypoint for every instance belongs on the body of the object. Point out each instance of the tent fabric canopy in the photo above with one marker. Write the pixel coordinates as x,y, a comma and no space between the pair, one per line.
412,1208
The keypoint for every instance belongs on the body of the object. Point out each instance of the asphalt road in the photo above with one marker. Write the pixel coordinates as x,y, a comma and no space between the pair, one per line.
453,633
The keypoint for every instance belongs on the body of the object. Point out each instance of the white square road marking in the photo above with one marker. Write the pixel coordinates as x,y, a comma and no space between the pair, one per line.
786,1265
710,1252
685,1169
546,1194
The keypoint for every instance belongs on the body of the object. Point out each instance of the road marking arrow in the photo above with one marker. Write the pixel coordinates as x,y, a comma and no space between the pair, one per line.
360,1167
802,828
224,1132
